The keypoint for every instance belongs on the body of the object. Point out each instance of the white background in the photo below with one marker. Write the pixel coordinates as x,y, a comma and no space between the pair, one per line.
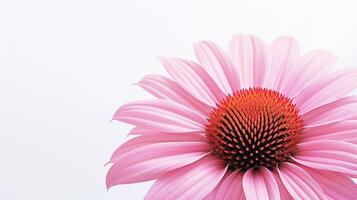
67,65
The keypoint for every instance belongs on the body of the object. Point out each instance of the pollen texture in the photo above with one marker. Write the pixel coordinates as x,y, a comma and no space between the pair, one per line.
254,127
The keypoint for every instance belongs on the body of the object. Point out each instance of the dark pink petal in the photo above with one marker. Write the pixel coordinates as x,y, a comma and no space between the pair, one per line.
328,155
161,115
147,157
194,181
336,85
284,53
218,66
164,88
335,185
194,79
336,111
260,185
251,57
345,131
299,183
309,68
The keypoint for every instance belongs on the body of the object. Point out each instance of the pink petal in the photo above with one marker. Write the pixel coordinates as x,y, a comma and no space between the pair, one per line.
218,66
212,194
299,183
230,187
284,194
194,181
336,111
335,185
194,79
326,90
342,131
142,131
164,88
133,144
310,67
250,56
145,131
260,185
161,115
283,57
147,157
328,155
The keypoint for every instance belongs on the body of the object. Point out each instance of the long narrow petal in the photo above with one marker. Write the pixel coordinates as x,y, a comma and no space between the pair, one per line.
147,157
283,58
145,131
195,139
194,79
230,187
213,193
328,155
336,111
218,66
164,88
284,194
260,185
161,115
194,181
299,183
334,86
342,131
335,185
310,67
250,56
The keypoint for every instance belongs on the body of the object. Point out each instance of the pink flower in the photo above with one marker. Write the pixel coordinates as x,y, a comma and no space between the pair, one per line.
261,122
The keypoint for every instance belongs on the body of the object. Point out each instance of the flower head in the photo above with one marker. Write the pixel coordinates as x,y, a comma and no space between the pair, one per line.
253,128
258,122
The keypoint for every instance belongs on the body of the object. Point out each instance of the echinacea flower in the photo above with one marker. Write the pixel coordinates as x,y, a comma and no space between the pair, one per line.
259,122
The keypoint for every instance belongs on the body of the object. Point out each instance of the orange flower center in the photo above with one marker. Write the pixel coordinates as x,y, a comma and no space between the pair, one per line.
254,127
